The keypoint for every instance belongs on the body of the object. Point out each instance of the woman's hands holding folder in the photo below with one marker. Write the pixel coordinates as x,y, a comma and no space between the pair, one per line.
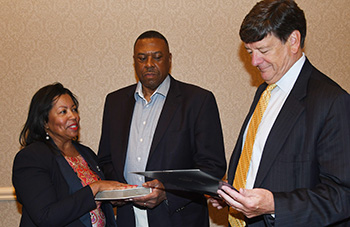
153,199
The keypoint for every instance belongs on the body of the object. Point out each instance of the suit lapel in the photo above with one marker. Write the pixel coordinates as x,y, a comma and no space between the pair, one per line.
171,104
279,133
85,153
127,113
73,182
284,123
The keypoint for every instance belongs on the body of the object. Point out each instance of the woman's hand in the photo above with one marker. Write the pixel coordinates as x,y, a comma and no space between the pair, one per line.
104,185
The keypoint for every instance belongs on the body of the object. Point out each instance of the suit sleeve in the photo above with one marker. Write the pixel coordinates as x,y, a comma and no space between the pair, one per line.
328,201
35,189
208,153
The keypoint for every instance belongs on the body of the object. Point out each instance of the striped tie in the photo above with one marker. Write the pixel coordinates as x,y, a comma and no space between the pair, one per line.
237,218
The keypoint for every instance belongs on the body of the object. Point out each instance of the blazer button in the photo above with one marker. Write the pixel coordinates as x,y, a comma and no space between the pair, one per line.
180,209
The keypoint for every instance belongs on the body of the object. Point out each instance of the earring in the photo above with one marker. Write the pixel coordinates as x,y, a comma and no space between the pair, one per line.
47,136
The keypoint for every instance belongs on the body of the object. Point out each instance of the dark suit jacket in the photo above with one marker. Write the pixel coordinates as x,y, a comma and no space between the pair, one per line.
50,191
188,135
305,162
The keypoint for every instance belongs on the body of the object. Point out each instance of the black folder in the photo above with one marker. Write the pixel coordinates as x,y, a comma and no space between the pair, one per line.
188,179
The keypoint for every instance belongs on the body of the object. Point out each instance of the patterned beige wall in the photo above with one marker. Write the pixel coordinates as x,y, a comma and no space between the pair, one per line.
87,45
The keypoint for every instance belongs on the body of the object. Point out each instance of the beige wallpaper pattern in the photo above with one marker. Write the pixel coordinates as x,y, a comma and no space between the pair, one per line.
87,45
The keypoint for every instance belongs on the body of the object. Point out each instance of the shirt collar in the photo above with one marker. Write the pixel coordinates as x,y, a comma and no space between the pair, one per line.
162,89
287,82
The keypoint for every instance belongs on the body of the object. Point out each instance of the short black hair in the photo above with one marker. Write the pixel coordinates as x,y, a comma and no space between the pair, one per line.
152,34
38,115
276,17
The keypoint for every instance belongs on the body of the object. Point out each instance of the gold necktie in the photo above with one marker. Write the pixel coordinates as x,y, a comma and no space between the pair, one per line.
236,218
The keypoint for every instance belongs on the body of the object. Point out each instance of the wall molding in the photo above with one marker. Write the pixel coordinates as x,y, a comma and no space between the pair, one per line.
7,194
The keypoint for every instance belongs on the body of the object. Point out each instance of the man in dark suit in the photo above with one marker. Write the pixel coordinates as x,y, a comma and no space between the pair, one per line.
160,124
298,171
